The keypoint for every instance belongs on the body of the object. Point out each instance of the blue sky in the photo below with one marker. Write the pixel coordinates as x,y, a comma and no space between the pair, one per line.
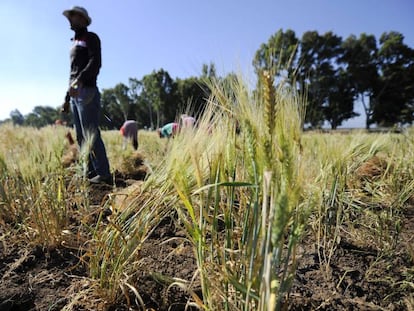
139,36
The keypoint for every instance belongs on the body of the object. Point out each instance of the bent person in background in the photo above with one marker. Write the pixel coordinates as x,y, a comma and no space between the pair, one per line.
187,121
168,130
129,131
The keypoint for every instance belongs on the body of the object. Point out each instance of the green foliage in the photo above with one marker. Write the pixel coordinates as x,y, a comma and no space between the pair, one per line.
42,116
334,75
158,93
111,109
17,117
394,94
360,54
278,54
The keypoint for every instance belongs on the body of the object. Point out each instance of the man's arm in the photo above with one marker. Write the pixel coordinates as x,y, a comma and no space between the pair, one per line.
65,106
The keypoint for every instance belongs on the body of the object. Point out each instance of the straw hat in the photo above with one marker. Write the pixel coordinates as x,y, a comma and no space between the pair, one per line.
80,10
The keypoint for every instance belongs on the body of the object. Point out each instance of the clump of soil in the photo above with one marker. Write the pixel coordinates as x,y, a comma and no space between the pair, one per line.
133,167
371,169
71,154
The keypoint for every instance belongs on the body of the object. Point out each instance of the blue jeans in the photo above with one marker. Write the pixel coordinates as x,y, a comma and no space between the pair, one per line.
86,108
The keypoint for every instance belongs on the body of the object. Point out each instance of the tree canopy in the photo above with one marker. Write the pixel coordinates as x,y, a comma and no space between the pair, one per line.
335,74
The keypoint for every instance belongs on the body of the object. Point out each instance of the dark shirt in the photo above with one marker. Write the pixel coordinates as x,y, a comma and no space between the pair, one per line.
85,57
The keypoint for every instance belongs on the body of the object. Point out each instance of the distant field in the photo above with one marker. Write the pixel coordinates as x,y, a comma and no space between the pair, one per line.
244,212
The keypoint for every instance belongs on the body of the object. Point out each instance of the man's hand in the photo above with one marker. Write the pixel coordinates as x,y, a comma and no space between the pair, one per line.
65,107
74,91
75,88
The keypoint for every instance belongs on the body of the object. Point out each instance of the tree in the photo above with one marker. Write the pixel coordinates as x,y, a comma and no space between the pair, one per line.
278,55
158,93
394,93
323,80
121,97
208,71
340,101
142,111
16,117
309,63
42,116
191,94
112,115
360,57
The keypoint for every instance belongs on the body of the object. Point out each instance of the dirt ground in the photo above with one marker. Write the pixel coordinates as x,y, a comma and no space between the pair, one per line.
356,277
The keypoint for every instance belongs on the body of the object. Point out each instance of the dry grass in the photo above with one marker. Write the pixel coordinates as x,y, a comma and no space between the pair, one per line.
253,192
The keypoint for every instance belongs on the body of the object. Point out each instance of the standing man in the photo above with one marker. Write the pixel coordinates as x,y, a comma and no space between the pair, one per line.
83,95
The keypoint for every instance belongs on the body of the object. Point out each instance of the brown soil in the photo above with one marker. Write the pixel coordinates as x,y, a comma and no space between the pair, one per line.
357,276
